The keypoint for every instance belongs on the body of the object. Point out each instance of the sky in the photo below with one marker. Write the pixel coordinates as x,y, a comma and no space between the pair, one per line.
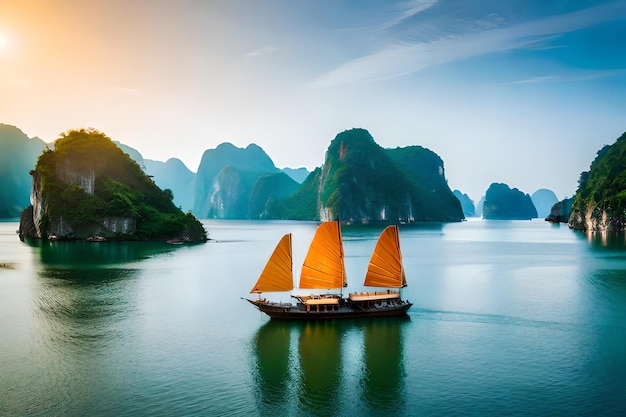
522,92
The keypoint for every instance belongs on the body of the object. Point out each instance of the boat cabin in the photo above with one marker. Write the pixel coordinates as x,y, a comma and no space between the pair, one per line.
374,300
318,303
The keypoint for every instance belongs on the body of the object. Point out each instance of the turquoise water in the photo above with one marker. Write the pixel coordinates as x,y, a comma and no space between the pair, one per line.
510,318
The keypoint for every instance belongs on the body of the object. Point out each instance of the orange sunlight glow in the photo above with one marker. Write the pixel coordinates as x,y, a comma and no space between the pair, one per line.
4,41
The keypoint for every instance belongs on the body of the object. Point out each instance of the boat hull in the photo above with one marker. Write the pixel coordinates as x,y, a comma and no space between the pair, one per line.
293,312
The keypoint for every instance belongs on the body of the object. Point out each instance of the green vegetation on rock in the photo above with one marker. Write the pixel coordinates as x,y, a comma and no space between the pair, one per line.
600,202
431,197
504,203
266,187
300,205
560,211
362,182
87,186
226,179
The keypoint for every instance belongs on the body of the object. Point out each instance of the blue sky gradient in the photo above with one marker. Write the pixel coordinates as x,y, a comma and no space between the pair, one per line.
522,92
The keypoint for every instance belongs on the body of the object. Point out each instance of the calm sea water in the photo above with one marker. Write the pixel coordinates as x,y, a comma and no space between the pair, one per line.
510,318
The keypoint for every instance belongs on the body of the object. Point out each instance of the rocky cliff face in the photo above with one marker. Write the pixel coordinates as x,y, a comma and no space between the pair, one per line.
228,195
600,202
226,178
43,226
595,219
359,182
35,221
362,182
88,188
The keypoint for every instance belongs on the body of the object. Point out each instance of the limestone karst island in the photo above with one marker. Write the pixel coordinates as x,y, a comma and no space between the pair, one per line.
84,186
88,188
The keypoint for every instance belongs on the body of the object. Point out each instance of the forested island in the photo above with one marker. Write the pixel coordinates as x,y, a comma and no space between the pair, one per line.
87,188
362,182
358,181
600,201
504,203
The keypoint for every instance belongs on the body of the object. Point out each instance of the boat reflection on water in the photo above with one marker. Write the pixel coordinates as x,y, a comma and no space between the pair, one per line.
319,348
273,377
313,366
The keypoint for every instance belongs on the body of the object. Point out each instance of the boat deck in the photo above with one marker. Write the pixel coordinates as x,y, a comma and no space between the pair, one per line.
373,296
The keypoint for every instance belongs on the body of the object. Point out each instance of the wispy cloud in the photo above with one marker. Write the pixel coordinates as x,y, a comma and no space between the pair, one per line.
264,50
407,10
572,77
401,58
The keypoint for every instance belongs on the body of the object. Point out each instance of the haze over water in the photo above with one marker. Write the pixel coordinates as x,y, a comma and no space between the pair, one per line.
509,318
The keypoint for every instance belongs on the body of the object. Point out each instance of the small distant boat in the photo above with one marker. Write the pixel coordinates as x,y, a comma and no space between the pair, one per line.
323,269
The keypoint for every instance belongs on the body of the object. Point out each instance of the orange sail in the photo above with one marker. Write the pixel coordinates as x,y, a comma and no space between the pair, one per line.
385,268
323,266
277,275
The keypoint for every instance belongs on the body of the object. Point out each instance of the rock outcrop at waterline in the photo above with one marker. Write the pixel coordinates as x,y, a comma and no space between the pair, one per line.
87,188
600,202
595,219
560,212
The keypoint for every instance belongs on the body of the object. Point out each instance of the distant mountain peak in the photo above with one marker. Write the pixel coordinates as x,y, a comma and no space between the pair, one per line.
225,146
227,173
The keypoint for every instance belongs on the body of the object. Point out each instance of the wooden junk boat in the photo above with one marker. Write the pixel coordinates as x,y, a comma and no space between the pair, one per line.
324,268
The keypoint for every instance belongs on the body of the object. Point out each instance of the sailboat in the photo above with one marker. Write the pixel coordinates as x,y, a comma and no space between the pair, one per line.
324,269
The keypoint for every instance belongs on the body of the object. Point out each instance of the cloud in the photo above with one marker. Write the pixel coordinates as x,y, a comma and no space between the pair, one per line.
574,77
401,58
406,11
264,50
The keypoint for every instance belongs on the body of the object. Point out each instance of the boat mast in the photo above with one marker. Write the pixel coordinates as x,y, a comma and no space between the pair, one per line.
344,279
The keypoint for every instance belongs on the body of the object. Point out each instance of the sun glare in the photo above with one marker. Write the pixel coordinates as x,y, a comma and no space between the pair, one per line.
4,41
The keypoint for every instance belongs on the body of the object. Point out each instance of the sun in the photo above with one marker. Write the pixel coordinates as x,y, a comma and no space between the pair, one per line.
4,41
